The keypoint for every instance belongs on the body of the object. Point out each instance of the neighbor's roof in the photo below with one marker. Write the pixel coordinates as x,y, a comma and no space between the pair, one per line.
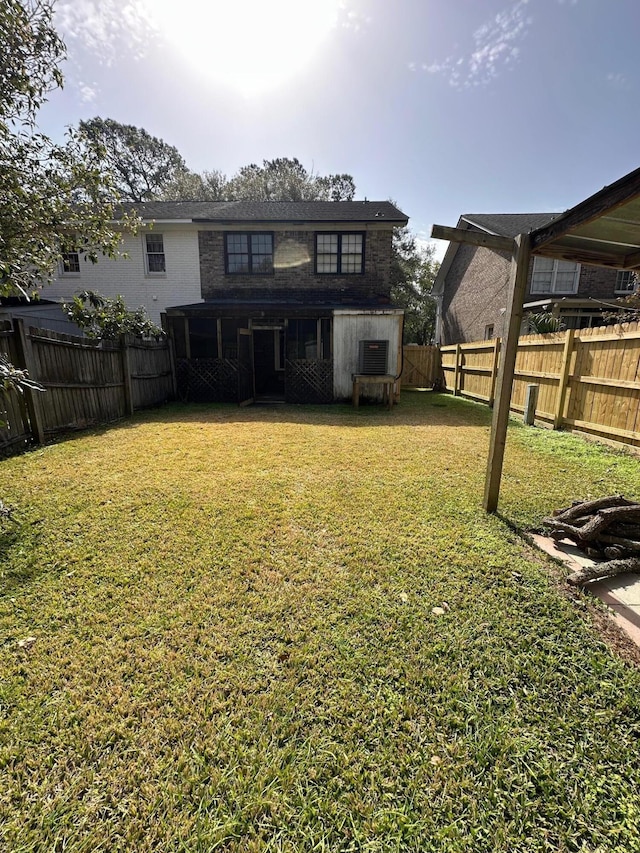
509,224
233,212
501,224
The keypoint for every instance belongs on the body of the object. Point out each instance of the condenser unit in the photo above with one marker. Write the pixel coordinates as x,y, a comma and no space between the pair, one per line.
373,357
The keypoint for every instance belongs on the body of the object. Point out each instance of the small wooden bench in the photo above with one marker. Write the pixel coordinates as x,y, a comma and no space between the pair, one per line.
387,381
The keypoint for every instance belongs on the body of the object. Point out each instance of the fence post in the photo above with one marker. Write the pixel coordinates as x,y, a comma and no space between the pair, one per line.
563,379
531,401
25,352
456,375
126,376
168,331
494,372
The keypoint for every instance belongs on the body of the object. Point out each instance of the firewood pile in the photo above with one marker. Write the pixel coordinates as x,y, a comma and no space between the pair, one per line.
606,529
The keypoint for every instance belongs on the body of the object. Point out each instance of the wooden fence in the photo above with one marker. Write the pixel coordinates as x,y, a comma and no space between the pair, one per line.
421,367
86,382
588,380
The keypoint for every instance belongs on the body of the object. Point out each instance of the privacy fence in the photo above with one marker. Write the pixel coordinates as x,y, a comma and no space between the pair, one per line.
86,382
420,367
588,380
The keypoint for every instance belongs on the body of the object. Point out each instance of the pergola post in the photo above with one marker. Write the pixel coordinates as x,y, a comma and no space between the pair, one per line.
513,320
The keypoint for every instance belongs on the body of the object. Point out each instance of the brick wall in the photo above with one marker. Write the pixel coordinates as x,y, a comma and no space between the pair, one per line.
476,286
294,271
475,294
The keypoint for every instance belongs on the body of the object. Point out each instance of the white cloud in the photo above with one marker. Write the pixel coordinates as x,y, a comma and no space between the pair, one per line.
106,28
495,48
88,93
617,80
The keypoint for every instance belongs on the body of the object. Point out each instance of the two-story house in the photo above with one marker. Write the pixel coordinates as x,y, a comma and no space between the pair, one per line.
261,299
472,284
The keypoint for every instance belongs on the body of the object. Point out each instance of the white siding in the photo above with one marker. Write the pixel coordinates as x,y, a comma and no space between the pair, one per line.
351,326
180,285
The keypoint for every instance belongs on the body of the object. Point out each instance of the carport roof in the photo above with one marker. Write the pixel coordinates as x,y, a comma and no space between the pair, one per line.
603,230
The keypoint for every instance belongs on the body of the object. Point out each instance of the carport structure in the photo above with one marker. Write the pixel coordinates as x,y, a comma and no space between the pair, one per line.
603,230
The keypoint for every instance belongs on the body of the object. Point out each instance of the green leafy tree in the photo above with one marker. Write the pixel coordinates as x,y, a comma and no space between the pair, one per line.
51,196
413,271
191,186
106,319
139,165
281,179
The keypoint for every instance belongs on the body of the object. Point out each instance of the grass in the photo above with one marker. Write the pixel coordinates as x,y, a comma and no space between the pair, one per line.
236,650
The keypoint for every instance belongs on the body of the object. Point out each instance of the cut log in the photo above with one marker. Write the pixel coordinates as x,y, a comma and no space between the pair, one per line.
629,544
602,520
588,507
604,570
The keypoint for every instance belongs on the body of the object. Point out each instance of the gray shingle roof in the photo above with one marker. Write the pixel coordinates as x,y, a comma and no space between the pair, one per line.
509,224
271,211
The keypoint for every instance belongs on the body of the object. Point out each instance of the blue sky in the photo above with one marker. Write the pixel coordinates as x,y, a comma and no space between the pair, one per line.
445,106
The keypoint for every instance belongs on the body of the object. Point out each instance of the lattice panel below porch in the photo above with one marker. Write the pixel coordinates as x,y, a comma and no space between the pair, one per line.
309,381
207,380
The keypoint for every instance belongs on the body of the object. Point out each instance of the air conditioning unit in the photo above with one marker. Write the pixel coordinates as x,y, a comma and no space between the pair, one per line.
373,357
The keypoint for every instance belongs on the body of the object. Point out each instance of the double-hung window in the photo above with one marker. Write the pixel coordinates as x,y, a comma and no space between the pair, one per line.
70,264
154,253
340,253
248,254
553,276
626,281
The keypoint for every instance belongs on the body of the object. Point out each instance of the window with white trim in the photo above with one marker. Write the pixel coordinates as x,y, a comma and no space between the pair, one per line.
553,276
626,281
340,253
154,254
70,263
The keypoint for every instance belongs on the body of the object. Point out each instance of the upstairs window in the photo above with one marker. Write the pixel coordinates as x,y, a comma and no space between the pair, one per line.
70,264
340,254
154,253
626,281
552,276
248,254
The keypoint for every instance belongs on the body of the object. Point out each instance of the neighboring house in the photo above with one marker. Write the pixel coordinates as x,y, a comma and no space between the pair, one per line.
162,266
289,290
472,284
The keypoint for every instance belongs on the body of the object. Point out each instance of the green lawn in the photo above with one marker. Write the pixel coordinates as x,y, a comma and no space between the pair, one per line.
236,650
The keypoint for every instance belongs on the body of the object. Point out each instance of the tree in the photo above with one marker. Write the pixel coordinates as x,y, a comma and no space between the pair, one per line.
282,179
140,166
190,186
413,271
51,196
106,319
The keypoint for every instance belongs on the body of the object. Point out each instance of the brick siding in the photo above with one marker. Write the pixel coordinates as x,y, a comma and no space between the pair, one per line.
476,288
294,274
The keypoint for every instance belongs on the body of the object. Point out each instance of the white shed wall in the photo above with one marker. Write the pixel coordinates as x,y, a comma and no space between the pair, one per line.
351,326
180,285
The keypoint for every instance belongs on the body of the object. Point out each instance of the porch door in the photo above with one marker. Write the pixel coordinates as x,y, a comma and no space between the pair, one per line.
246,391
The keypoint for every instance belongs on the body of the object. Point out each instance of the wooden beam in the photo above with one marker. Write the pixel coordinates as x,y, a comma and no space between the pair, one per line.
632,261
608,199
517,288
473,238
